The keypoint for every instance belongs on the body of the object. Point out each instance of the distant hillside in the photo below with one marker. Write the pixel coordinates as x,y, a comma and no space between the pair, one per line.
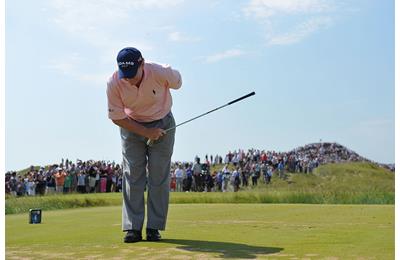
330,152
358,176
334,183
333,153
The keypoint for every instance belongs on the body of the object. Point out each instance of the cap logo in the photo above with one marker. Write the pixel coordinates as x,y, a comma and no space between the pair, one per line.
125,64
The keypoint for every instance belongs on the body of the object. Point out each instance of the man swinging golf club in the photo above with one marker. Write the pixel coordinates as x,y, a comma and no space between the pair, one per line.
139,102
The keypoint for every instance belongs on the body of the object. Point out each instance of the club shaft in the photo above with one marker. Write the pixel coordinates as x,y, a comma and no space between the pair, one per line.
215,109
187,121
149,142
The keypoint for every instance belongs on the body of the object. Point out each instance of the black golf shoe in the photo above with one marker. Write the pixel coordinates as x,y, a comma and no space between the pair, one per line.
152,235
133,236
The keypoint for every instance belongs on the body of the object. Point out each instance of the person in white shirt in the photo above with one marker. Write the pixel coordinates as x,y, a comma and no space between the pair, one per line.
179,177
30,186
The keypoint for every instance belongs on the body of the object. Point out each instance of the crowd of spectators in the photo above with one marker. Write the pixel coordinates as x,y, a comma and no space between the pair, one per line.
237,169
248,168
66,177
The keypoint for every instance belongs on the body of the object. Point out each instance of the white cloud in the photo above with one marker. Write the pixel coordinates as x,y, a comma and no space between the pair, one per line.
180,37
290,21
300,32
71,66
65,65
104,27
98,79
224,55
97,20
269,8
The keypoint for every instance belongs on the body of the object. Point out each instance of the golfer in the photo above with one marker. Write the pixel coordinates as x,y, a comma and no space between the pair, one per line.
139,102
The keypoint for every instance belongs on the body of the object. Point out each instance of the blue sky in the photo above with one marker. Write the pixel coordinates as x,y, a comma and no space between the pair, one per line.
321,70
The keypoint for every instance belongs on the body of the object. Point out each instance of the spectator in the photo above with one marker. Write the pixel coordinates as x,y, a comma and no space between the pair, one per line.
50,183
225,181
254,177
74,176
236,180
41,185
113,187
281,170
173,181
97,181
60,179
197,175
67,183
13,184
81,182
92,179
92,183
20,186
189,178
30,186
209,181
179,177
103,180
219,180
269,175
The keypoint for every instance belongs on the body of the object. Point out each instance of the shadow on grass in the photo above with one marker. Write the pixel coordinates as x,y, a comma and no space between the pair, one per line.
225,249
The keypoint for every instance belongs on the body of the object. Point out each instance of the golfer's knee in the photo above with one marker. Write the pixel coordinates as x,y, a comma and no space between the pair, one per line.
160,180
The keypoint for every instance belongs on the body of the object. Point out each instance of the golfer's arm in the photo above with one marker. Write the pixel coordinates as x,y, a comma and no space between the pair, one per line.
132,126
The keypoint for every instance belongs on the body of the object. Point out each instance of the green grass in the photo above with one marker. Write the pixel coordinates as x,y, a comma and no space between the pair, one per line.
351,183
211,231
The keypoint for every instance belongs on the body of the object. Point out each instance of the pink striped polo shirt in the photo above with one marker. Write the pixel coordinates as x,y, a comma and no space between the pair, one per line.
151,101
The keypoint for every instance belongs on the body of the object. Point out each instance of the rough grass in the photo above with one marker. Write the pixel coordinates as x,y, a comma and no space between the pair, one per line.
350,183
52,202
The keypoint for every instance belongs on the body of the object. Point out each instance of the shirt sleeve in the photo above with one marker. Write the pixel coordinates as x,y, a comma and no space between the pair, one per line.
170,77
115,105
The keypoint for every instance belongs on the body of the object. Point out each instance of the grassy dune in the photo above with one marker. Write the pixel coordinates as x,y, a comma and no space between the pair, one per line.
211,231
350,183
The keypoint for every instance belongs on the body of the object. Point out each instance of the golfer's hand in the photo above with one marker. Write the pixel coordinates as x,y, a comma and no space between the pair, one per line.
154,133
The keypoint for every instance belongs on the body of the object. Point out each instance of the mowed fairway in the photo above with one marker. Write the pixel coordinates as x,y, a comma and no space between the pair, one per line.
211,231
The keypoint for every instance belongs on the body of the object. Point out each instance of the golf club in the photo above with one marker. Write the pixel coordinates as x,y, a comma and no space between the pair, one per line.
150,142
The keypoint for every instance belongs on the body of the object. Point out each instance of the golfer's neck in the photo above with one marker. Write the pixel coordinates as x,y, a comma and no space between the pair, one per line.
136,80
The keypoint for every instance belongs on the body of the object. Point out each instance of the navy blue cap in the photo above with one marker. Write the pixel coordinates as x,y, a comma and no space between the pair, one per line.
129,60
